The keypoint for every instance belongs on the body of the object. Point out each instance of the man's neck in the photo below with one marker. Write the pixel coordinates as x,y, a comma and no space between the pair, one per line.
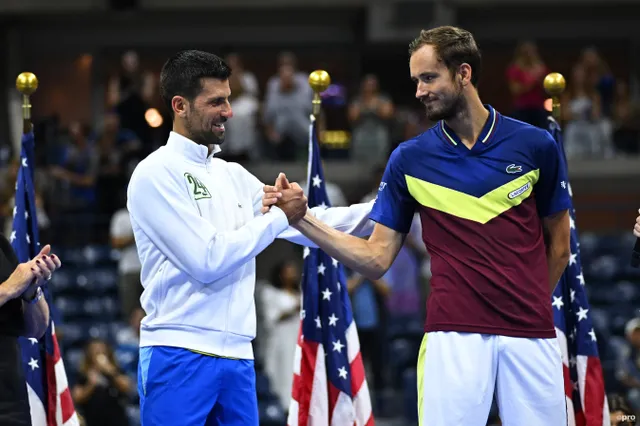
177,128
469,122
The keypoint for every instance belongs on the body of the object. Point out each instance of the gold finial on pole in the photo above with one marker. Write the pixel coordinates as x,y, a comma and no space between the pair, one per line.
554,85
26,83
319,81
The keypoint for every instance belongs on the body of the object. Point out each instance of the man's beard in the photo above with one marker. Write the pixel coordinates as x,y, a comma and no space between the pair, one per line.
446,108
203,137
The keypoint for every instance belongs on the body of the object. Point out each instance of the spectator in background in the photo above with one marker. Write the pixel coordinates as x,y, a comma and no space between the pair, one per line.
584,134
370,114
129,286
77,169
626,121
599,78
368,298
525,76
289,60
281,310
619,412
102,391
629,369
130,94
242,131
286,115
247,79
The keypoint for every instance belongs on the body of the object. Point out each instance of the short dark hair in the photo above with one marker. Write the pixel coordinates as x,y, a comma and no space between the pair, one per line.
454,47
182,74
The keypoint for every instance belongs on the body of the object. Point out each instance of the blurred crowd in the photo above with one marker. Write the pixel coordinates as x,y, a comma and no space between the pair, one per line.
83,172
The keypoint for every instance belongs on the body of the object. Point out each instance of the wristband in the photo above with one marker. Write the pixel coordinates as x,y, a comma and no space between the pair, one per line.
36,298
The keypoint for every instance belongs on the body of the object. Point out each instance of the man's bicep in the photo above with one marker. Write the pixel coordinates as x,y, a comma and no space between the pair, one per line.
387,242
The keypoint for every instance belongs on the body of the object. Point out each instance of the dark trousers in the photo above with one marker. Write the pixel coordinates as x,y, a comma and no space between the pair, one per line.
371,344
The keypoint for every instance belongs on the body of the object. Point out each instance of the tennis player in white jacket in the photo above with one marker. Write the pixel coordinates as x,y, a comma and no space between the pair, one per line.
198,227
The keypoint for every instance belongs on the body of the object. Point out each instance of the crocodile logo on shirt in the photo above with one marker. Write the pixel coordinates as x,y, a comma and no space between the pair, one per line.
199,190
512,168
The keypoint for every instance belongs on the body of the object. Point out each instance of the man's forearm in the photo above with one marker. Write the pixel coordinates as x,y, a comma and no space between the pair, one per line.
355,253
557,260
36,318
4,296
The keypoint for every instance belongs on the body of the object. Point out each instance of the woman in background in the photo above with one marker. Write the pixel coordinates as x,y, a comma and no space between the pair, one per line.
102,390
282,317
525,76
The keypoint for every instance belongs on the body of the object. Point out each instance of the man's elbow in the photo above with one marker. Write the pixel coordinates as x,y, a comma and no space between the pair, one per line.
378,269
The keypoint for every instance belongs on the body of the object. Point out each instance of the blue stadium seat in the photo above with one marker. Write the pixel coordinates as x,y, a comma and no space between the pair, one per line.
620,315
600,319
72,333
70,255
410,394
116,327
605,267
98,255
93,307
403,354
72,359
106,278
69,306
410,327
628,291
271,413
100,331
62,280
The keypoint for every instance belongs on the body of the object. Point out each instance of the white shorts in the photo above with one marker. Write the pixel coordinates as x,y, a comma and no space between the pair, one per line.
459,372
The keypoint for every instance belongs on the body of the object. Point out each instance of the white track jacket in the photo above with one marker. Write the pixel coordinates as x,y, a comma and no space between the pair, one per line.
198,228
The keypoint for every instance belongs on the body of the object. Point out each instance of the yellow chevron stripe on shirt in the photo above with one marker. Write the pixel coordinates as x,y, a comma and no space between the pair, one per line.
465,206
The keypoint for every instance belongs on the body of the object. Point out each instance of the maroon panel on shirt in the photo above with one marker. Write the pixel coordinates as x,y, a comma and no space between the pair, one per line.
488,278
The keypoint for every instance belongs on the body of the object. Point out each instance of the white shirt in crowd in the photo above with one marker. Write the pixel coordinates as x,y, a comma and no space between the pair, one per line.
121,228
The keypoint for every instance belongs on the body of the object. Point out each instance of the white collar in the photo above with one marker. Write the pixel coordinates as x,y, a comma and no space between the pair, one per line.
191,150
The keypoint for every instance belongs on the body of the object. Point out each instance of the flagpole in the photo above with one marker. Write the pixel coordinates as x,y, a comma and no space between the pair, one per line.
319,81
26,83
554,85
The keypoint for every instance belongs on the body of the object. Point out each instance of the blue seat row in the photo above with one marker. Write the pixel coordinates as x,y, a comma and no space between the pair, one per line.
72,307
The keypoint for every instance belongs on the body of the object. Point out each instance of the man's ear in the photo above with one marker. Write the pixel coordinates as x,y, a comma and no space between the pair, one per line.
179,105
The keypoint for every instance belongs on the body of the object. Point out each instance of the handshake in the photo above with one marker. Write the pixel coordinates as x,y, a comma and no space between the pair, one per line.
287,196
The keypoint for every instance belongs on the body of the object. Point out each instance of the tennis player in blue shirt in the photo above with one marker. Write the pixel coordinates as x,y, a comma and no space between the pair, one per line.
488,190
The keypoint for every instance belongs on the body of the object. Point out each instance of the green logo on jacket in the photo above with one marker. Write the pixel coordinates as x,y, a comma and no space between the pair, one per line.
199,190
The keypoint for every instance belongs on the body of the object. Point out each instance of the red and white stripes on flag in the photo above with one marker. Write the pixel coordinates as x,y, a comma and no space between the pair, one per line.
315,401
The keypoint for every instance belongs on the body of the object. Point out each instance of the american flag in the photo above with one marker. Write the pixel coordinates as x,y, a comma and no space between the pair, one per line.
583,379
47,386
329,384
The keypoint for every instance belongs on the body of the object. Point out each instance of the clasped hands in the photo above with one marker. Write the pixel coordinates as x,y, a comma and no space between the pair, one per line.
29,276
287,196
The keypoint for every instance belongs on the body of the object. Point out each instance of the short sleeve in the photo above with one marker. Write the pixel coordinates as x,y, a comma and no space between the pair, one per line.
394,206
551,191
